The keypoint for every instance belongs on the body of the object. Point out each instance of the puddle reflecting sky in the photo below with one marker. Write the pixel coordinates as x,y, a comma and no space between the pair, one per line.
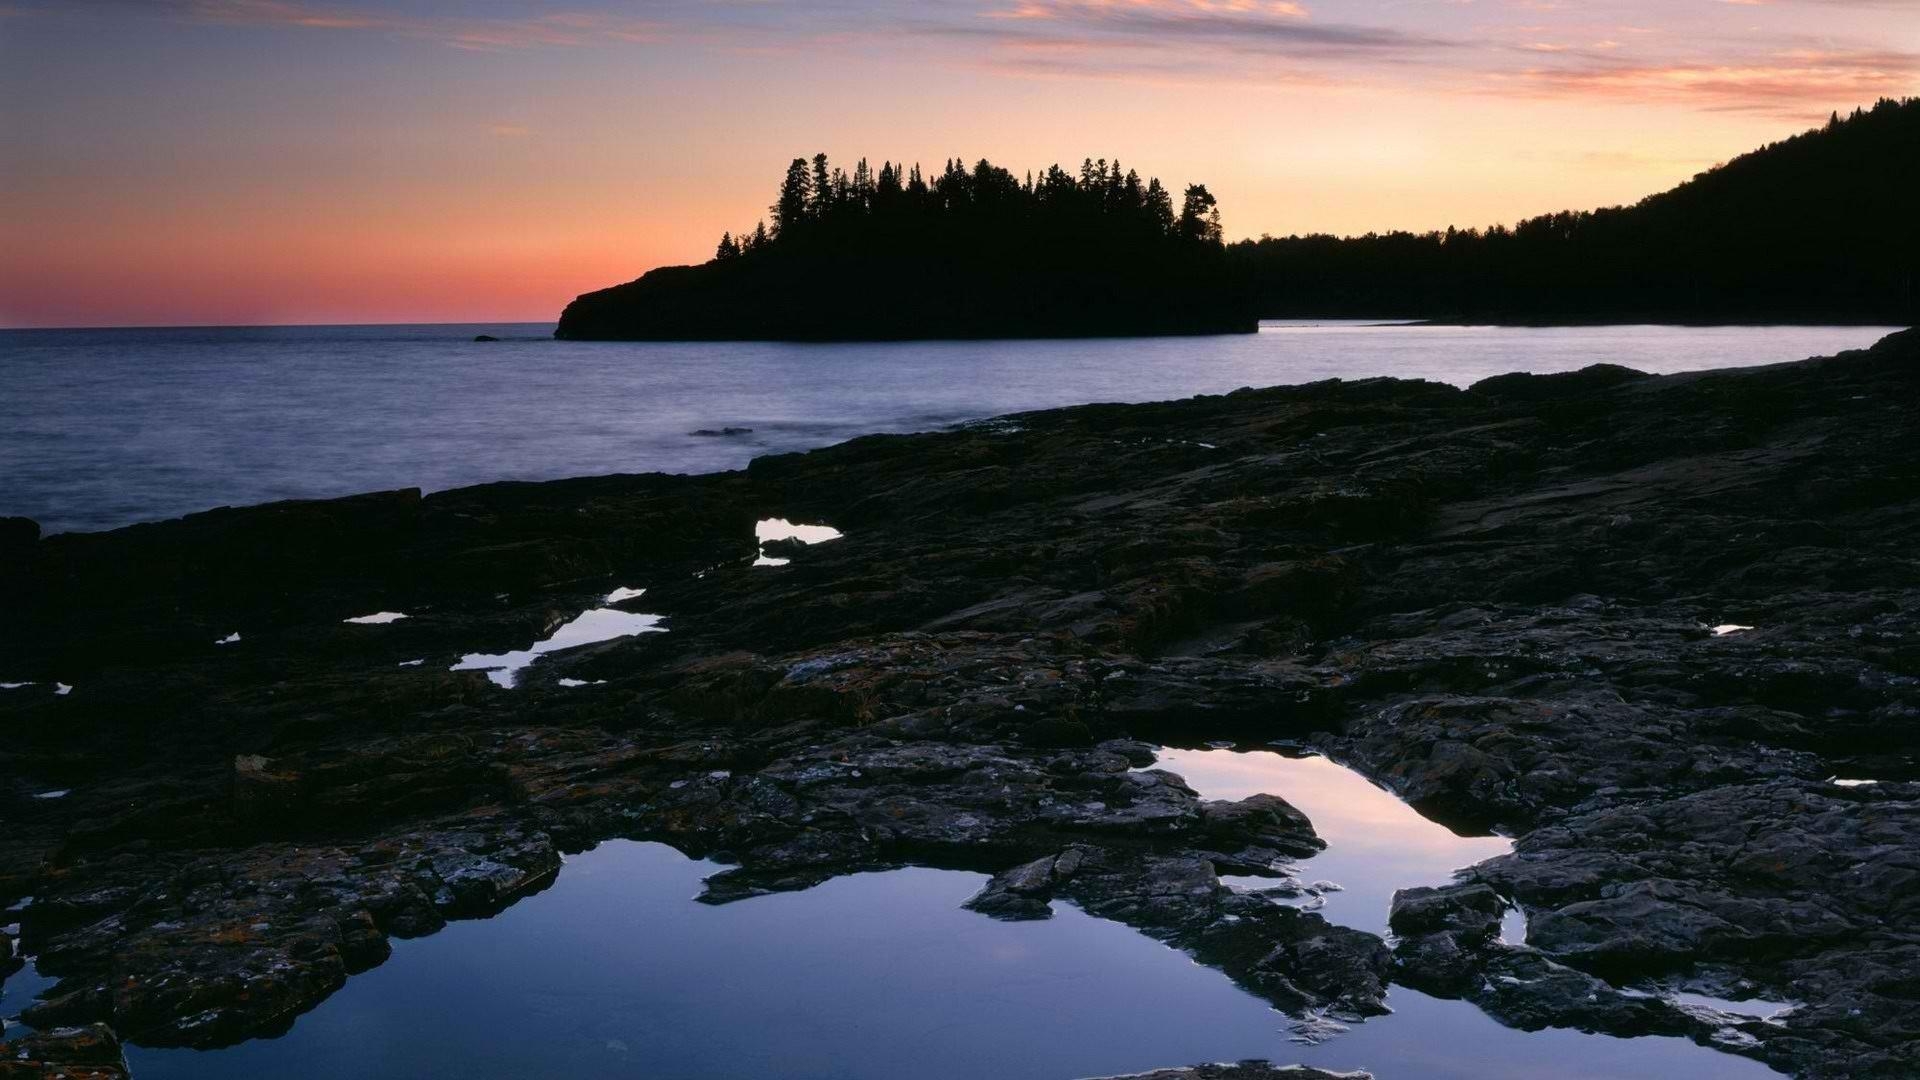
1375,843
1760,1007
781,529
616,972
769,529
20,990
599,624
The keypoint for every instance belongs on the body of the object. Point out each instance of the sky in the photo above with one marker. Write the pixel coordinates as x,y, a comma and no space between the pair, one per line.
222,162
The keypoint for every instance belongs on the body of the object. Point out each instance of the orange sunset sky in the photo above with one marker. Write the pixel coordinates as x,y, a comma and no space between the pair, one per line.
287,161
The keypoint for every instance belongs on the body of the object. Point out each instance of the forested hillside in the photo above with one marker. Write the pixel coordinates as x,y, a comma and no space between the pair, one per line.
1824,225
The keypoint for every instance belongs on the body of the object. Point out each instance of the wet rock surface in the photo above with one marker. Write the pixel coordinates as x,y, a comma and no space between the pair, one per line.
78,1053
1245,1070
1497,601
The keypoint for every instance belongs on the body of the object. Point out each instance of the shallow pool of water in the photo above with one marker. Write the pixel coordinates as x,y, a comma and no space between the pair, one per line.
1376,844
587,628
767,530
616,971
1757,1007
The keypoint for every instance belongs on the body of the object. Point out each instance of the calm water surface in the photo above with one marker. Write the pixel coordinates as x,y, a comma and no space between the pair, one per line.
1376,844
101,428
616,972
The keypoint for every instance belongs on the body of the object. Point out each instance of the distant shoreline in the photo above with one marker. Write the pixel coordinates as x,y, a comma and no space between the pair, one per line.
542,330
1644,320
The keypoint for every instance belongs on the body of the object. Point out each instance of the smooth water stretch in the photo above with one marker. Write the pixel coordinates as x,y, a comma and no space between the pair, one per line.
617,972
102,428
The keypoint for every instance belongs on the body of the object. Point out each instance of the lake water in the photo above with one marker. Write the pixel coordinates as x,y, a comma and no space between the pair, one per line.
101,428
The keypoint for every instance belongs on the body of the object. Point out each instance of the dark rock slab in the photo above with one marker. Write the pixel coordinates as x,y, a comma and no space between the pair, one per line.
69,1053
1244,1070
1498,602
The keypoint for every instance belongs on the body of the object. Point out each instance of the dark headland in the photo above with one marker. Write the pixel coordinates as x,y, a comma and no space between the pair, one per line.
1821,227
1498,601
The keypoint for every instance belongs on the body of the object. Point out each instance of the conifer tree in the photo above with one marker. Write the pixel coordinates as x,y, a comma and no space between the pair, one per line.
1200,216
796,197
1160,207
822,187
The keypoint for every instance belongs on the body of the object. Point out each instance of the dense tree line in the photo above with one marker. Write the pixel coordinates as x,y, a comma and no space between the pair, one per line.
818,199
896,252
1823,225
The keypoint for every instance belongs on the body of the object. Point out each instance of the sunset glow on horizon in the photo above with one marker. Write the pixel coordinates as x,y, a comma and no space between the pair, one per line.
204,162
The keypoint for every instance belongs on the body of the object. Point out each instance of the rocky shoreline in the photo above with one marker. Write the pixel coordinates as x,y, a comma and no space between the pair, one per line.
1501,602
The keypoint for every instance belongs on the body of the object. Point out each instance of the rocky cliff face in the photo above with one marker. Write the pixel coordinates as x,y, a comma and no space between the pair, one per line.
1511,604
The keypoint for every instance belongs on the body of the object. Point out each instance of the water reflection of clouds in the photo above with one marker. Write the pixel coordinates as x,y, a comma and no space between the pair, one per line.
1340,801
1376,844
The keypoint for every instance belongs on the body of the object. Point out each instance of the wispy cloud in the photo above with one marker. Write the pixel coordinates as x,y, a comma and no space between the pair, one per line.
1626,54
1788,82
1238,25
535,28
1242,41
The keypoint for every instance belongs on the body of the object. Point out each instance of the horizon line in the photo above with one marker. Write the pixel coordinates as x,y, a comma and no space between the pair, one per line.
280,325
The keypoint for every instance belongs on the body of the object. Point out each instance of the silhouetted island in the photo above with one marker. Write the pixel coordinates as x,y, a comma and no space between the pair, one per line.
967,254
1821,227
